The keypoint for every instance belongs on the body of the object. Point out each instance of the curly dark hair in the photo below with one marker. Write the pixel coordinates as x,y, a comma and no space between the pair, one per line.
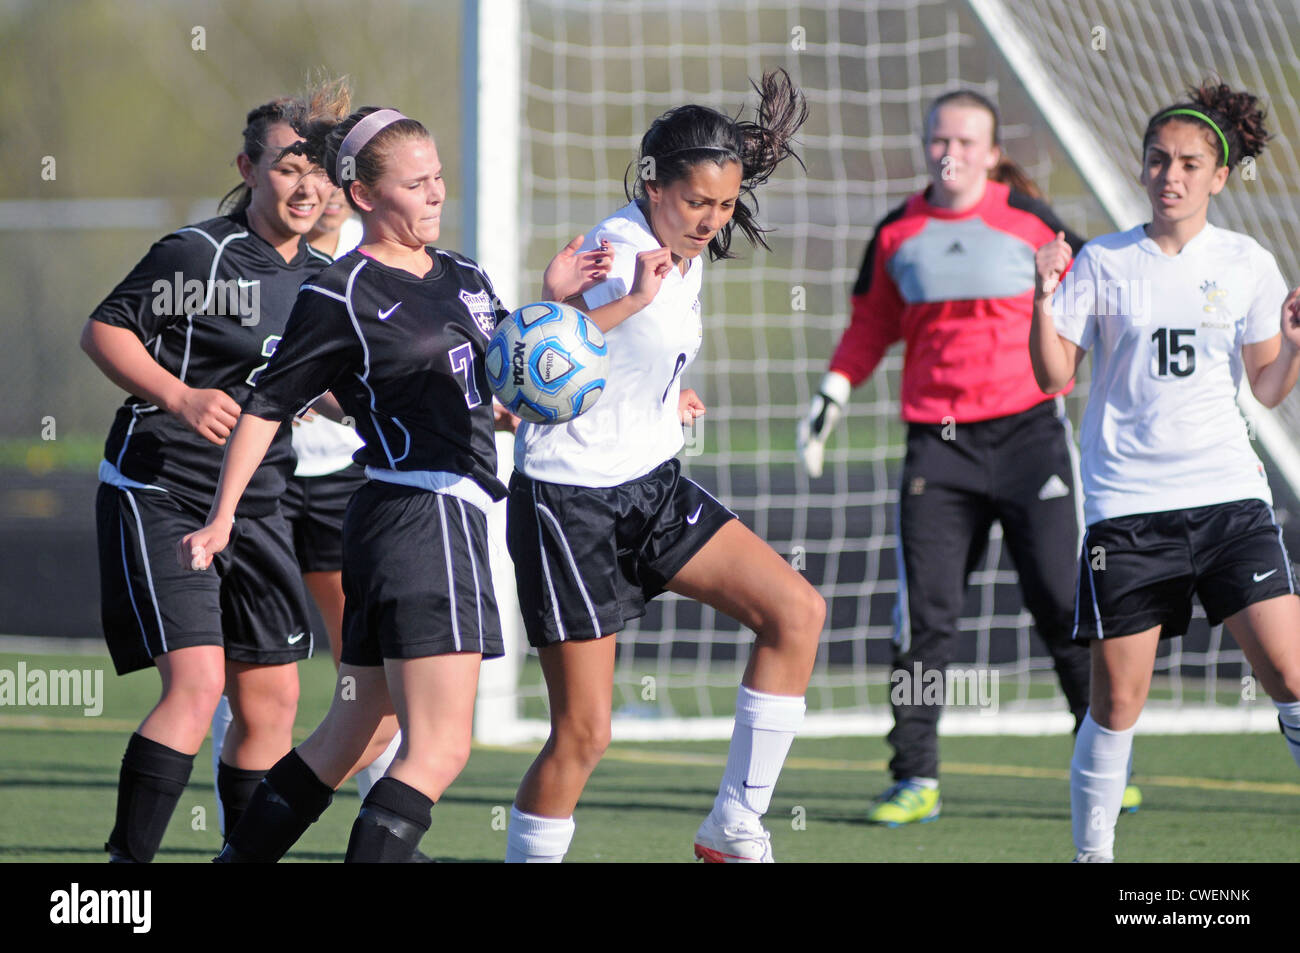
1238,114
684,137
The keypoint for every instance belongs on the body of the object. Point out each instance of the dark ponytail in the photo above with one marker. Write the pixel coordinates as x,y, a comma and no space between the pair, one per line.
1010,174
1239,115
683,137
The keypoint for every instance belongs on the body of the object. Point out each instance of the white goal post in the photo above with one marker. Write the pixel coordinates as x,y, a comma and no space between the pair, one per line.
556,95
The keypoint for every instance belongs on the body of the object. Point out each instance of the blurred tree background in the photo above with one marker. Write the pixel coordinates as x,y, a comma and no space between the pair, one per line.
122,122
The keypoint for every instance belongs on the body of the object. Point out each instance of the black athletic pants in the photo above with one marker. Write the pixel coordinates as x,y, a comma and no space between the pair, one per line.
957,479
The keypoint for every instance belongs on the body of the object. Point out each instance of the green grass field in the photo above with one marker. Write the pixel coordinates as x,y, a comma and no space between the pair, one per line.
1208,798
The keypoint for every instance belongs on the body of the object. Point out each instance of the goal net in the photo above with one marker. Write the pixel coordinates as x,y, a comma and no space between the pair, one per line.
565,90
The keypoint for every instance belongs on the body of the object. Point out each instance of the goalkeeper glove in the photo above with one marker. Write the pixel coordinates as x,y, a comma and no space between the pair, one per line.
822,417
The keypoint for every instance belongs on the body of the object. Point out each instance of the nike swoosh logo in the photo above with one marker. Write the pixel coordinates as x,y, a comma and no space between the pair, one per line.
694,517
295,639
247,282
754,787
1258,578
383,315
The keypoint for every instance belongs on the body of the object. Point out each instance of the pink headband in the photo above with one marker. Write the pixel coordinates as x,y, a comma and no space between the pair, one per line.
362,133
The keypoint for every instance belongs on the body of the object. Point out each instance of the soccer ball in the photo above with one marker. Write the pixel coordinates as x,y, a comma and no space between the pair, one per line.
547,362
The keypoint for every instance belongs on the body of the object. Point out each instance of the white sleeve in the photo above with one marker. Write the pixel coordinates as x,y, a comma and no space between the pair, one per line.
1264,318
1073,302
619,282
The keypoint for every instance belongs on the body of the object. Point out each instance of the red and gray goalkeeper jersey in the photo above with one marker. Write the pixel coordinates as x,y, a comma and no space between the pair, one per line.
957,288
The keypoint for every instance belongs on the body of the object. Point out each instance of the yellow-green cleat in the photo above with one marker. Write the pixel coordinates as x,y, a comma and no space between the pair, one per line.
1132,799
905,803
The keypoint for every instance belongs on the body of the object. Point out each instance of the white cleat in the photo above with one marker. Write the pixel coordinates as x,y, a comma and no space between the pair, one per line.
1092,857
743,843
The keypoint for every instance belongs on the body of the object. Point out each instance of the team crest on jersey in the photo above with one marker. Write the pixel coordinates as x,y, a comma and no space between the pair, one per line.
479,307
1216,301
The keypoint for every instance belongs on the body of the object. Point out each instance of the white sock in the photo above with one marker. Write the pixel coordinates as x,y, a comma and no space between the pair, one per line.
1098,775
1289,716
537,840
765,727
368,775
221,720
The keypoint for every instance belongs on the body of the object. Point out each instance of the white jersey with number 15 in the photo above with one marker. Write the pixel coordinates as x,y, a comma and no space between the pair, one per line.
1162,430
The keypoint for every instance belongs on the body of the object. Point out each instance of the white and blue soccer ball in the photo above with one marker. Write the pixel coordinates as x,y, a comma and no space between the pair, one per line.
547,362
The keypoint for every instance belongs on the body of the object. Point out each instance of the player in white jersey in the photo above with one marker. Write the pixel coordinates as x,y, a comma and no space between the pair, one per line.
1175,312
601,520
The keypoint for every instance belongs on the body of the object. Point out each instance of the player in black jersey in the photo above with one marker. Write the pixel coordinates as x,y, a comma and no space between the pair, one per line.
397,331
317,493
185,334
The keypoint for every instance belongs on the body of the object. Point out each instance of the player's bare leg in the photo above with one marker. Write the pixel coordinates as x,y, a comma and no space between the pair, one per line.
263,703
192,682
1121,679
434,700
160,754
326,589
1267,633
740,575
359,724
737,573
300,786
580,684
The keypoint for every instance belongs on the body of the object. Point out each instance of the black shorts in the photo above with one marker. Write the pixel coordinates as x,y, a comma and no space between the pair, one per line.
587,559
314,507
416,577
250,600
1137,572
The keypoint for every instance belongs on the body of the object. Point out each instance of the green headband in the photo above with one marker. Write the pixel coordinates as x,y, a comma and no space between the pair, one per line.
1213,125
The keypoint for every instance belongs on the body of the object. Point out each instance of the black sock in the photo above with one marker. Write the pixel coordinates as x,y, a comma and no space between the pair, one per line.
392,820
286,802
148,788
236,787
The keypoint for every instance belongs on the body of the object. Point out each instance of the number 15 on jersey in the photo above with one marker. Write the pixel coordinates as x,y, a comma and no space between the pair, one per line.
1175,352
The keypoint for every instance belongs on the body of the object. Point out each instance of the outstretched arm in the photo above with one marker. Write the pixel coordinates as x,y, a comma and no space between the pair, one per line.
248,445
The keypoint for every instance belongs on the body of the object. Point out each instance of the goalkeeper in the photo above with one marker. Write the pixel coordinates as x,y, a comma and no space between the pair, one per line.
951,273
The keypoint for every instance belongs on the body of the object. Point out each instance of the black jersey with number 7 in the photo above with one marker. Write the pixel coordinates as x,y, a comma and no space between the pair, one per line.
403,355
